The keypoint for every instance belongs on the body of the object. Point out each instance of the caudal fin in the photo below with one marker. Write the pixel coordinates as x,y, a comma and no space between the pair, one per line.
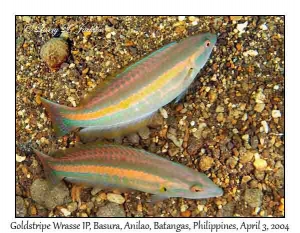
60,124
50,174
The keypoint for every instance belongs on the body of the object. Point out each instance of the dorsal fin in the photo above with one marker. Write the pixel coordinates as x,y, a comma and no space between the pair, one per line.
67,152
97,90
113,77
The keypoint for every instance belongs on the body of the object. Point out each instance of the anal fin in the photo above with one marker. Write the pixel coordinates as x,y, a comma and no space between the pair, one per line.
90,134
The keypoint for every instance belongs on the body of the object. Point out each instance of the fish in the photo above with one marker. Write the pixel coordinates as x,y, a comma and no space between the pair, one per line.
136,93
113,166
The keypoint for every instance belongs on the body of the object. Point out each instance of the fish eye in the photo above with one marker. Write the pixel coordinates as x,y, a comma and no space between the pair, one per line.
163,189
207,43
196,189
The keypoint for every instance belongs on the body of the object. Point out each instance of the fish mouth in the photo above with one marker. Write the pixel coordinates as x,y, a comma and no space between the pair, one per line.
213,38
217,192
214,192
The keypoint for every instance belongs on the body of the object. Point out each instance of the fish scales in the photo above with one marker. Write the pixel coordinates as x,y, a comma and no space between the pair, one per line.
111,165
139,90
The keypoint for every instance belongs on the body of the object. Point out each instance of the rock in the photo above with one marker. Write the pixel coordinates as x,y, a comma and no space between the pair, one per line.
183,208
251,53
194,146
279,177
111,210
173,138
220,117
228,209
260,97
259,107
186,214
265,126
246,179
276,114
19,158
260,175
205,163
116,198
95,190
219,109
181,18
133,138
246,157
235,18
253,197
254,142
26,19
212,96
163,112
156,121
42,194
144,133
260,164
232,162
241,27
65,212
55,52
263,27
21,210
72,206
245,137
173,151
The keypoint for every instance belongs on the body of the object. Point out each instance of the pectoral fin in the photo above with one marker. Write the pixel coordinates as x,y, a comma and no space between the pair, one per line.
180,97
157,198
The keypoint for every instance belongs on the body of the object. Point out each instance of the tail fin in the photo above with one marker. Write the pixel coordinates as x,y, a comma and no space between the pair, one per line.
55,112
50,174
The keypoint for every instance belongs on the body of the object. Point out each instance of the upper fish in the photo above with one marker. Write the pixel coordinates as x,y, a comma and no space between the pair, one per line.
137,92
120,167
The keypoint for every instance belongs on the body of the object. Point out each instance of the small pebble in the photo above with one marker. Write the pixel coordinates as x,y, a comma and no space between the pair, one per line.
65,212
265,126
55,52
116,198
163,112
276,114
181,18
206,162
241,27
183,208
263,27
186,214
219,109
260,164
253,197
246,179
260,97
95,190
246,157
144,133
245,137
26,19
19,158
259,107
72,206
251,53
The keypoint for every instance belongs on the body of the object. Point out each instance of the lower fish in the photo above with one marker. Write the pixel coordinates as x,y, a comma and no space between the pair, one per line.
111,166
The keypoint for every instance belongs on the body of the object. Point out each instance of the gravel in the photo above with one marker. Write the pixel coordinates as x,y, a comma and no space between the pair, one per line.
240,91
21,210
